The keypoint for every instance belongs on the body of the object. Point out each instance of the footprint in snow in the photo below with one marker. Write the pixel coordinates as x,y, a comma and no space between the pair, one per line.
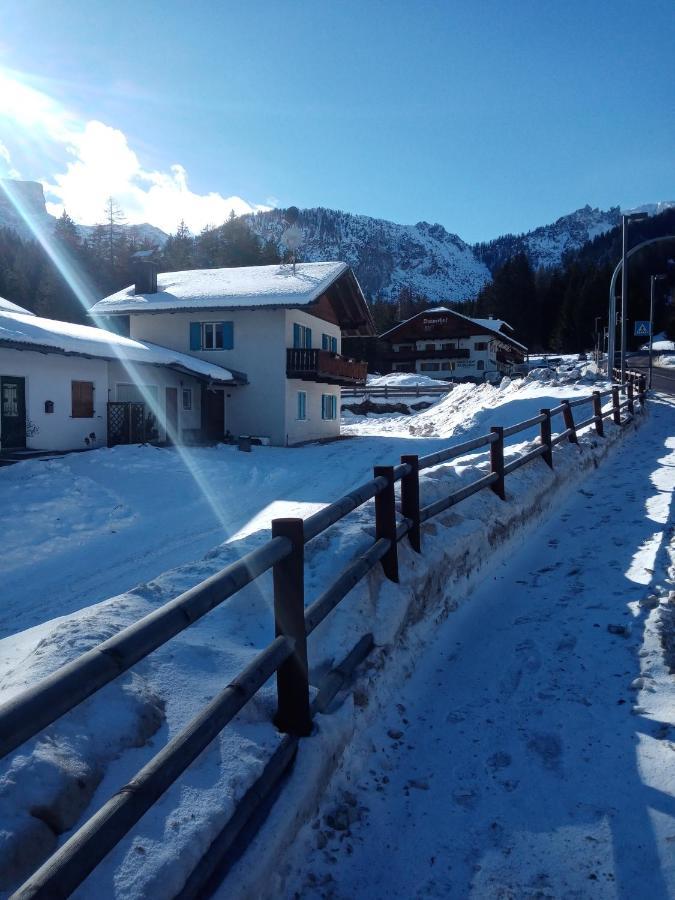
548,748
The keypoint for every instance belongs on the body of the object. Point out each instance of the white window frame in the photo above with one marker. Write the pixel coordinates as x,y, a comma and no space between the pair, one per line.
329,410
211,327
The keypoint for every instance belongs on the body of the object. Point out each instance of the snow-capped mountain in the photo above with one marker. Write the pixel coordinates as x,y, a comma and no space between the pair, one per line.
29,214
385,256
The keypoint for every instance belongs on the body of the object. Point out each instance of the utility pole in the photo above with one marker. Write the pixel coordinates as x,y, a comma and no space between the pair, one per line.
653,279
625,219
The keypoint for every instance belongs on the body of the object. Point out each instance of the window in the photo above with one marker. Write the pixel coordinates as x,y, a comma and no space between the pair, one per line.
82,393
187,398
429,367
328,406
480,365
328,342
450,346
211,335
302,405
302,337
430,346
481,345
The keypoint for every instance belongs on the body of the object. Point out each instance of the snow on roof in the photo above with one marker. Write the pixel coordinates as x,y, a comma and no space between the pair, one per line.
276,285
8,306
85,340
493,324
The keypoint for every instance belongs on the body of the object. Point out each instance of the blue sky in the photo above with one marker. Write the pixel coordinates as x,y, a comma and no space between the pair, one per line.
487,117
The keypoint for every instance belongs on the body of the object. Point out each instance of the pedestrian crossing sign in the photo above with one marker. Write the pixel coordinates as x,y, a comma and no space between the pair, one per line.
642,329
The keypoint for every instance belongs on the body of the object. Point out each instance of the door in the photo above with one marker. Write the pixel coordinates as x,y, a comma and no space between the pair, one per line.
12,412
214,418
172,414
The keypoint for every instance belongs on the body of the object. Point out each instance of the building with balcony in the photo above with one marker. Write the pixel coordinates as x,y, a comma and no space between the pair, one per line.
279,328
447,345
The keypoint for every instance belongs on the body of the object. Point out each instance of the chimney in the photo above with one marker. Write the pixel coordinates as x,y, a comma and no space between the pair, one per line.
145,272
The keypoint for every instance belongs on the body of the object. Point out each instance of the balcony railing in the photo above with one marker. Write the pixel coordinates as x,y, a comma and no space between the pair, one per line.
324,366
405,355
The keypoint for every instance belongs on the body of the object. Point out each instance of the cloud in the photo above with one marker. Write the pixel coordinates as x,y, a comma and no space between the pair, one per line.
7,170
97,163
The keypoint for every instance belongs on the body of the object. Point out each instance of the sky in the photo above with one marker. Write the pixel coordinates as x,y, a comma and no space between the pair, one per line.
488,117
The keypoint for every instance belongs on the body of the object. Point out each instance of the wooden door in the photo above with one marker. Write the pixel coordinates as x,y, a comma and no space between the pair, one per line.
171,414
214,415
12,412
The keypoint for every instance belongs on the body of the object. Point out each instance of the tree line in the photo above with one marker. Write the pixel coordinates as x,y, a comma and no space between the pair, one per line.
553,309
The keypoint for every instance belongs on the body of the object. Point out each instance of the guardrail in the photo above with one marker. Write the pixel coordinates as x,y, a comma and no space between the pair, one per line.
45,702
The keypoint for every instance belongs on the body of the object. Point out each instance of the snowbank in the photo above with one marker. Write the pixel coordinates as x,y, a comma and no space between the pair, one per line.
665,362
406,379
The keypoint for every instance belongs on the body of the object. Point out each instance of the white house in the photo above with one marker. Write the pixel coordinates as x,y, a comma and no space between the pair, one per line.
280,325
70,387
445,344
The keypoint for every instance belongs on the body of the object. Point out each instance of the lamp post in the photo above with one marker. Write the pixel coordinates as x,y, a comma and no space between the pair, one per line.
653,279
625,219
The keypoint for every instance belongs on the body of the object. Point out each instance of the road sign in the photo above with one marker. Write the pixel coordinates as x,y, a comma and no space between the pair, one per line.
642,329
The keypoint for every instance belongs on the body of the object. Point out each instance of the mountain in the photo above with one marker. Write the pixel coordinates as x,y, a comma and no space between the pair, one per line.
34,217
386,257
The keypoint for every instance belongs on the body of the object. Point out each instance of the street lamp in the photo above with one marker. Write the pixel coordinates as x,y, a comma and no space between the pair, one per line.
625,219
653,279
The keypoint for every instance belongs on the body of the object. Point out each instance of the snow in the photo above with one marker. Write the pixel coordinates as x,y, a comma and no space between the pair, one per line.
530,751
65,337
405,379
661,346
247,286
91,544
8,306
665,362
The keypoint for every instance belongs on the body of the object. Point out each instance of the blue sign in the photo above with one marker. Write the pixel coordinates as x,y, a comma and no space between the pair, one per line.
642,329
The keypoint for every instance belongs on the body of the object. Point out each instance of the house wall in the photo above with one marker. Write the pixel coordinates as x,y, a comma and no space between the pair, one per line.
267,405
188,420
48,376
479,365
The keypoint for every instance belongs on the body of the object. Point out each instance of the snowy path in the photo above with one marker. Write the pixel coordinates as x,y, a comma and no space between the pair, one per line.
518,763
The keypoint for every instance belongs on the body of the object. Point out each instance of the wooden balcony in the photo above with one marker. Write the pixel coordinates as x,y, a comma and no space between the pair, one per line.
324,366
407,355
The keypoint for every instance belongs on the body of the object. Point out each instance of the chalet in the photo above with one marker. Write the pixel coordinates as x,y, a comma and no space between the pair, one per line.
445,344
279,326
71,387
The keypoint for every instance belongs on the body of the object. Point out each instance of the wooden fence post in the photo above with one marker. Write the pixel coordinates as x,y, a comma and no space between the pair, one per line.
642,390
497,461
545,434
410,500
568,419
631,396
597,412
385,521
616,407
293,714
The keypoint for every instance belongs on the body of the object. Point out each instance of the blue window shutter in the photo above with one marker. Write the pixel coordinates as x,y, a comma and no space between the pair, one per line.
296,335
308,338
195,335
334,407
228,335
333,344
325,342
323,406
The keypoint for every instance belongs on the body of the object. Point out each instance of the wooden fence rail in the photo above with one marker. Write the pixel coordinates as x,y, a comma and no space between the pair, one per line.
43,703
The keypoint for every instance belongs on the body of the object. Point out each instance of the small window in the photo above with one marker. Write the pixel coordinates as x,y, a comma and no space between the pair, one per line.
302,405
429,367
328,342
450,346
302,337
328,406
82,393
481,345
430,346
211,335
480,365
187,398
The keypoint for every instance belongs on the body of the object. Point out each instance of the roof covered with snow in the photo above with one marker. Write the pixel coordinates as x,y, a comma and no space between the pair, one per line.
8,306
244,287
19,329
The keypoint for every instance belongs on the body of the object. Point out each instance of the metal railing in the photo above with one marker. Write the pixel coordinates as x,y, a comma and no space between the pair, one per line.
45,702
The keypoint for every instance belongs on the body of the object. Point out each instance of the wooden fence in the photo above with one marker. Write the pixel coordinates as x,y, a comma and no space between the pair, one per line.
391,391
43,703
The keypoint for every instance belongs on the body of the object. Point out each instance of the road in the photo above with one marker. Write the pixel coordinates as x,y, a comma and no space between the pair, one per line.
662,379
523,758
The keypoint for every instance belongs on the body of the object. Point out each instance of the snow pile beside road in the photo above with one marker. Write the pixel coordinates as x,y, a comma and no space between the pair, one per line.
665,362
406,379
